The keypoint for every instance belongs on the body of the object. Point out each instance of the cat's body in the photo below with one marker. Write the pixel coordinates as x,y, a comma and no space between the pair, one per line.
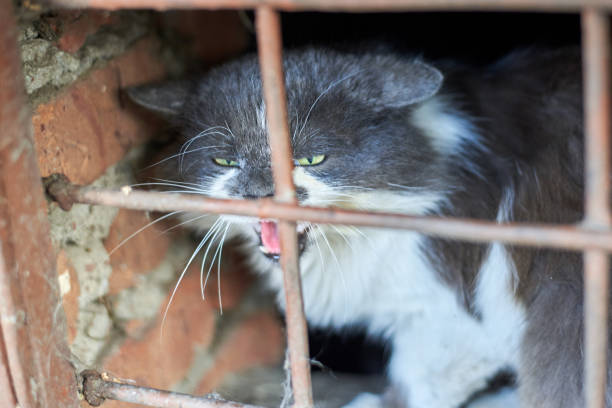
386,133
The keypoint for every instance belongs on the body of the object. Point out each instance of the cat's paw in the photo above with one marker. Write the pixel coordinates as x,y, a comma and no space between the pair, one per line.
366,400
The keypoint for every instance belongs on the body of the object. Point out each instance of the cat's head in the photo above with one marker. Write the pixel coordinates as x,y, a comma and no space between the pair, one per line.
359,124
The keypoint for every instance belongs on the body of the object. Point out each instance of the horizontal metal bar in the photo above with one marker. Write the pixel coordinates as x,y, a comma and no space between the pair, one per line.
96,390
340,5
573,237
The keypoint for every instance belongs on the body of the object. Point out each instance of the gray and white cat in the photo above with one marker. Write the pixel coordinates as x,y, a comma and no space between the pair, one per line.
378,131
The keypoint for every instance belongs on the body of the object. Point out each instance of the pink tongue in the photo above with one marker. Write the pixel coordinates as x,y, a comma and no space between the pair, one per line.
269,237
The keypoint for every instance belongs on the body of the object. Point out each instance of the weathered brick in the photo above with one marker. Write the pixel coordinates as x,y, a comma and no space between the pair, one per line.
164,354
70,291
257,341
72,27
141,253
86,128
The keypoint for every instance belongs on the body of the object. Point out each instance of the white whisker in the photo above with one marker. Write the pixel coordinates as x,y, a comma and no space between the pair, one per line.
178,282
185,222
217,228
163,217
212,262
219,268
333,84
332,253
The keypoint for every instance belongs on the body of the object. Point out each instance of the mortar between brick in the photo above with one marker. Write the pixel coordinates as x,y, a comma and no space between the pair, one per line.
46,66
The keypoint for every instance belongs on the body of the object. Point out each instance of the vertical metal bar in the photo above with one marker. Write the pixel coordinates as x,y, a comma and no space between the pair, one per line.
12,332
7,393
270,60
32,322
596,54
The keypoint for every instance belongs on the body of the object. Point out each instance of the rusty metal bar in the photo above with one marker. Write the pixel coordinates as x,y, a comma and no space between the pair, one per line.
597,117
270,47
10,336
96,390
573,237
342,5
32,324
7,393
596,65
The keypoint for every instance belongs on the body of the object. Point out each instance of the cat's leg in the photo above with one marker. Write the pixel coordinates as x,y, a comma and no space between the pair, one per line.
392,398
366,400
550,372
438,363
442,361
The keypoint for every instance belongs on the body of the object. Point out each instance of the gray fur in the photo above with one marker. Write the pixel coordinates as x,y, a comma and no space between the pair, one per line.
527,111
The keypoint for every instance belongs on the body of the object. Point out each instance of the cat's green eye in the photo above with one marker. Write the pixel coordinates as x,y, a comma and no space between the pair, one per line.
311,161
225,162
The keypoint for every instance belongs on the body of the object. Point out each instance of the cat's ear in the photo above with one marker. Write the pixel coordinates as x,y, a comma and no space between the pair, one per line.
404,84
420,81
166,98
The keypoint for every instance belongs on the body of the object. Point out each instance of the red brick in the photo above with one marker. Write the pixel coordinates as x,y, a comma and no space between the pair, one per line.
257,341
212,36
163,355
70,298
85,129
141,253
74,26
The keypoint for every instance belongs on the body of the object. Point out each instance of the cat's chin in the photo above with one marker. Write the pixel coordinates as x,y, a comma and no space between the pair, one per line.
269,241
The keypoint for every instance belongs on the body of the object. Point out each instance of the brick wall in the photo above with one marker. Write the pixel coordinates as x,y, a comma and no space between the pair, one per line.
115,300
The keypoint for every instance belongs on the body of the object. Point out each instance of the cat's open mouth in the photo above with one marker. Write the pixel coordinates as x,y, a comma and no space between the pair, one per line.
267,230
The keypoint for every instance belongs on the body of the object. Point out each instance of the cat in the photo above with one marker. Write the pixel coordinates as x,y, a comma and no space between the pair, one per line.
379,131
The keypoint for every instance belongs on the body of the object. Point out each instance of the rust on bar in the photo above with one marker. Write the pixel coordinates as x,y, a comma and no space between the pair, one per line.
271,65
32,324
596,66
96,390
10,335
596,288
572,237
7,393
270,46
342,5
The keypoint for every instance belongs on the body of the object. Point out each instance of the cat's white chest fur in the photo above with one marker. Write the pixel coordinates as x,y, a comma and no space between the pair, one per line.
381,281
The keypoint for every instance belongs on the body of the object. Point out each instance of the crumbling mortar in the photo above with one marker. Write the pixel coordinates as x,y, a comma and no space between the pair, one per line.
80,232
48,69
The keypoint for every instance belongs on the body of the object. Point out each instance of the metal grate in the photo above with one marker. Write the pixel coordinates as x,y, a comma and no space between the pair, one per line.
593,235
